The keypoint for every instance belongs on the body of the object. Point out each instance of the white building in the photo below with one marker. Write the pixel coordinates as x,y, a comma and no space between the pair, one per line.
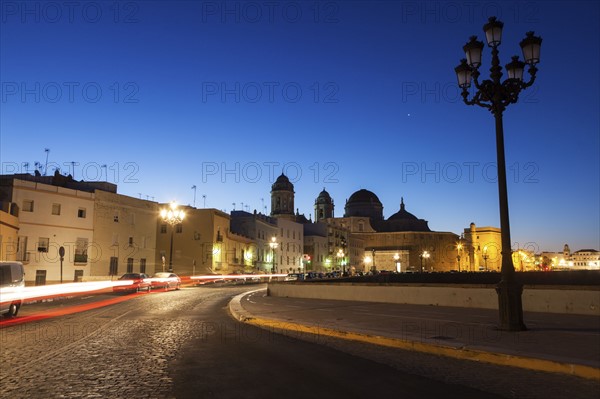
50,217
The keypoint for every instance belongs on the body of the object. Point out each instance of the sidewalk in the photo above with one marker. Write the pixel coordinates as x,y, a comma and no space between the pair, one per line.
560,343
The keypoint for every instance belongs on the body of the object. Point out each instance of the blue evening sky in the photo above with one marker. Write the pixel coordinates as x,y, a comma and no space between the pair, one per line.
160,96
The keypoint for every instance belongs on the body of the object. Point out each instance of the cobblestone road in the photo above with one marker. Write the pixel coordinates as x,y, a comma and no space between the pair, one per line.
121,351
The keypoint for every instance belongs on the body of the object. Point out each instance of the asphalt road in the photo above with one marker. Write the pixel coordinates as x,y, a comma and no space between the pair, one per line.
184,344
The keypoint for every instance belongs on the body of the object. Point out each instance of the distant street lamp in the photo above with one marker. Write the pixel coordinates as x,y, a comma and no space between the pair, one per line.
172,216
397,262
273,244
340,255
422,255
485,257
458,249
496,96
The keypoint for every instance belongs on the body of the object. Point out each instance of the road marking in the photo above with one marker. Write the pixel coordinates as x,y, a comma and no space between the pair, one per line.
462,353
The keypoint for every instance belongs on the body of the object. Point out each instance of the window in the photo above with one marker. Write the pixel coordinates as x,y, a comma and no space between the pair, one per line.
56,209
115,239
129,265
43,244
143,265
78,276
163,228
27,206
22,254
179,228
81,213
40,277
116,217
130,241
81,247
114,266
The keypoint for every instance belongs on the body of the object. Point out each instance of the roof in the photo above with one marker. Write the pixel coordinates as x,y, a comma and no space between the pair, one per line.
402,214
362,196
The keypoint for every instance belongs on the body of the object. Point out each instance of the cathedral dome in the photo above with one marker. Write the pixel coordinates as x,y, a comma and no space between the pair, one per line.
282,184
364,203
363,196
403,214
402,221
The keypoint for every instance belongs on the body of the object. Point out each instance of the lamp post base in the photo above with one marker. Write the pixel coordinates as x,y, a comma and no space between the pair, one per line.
510,306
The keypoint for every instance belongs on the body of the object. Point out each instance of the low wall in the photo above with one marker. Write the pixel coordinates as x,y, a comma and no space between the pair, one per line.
567,300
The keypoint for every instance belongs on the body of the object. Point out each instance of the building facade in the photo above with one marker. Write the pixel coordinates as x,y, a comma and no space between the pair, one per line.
124,235
54,212
9,231
480,249
202,244
401,243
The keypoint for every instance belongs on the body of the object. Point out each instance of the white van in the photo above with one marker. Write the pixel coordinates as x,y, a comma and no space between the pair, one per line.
12,281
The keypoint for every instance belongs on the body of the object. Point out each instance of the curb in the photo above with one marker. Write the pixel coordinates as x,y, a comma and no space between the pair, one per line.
501,359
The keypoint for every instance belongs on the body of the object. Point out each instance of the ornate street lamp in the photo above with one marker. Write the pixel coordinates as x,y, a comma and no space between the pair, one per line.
273,244
172,216
496,95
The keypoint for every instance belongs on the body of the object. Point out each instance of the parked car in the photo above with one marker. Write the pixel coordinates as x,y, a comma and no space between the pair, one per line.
139,282
166,281
294,277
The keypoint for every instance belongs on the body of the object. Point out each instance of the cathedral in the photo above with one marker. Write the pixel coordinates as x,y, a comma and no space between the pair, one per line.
401,243
363,240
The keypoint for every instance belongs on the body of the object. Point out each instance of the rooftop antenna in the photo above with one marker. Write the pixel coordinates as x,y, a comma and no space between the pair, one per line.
233,205
105,172
47,150
26,165
73,170
194,188
204,199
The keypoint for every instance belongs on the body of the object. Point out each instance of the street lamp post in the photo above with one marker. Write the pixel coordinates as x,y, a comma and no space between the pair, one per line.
273,244
458,249
422,255
496,95
485,257
173,216
340,256
397,262
61,253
